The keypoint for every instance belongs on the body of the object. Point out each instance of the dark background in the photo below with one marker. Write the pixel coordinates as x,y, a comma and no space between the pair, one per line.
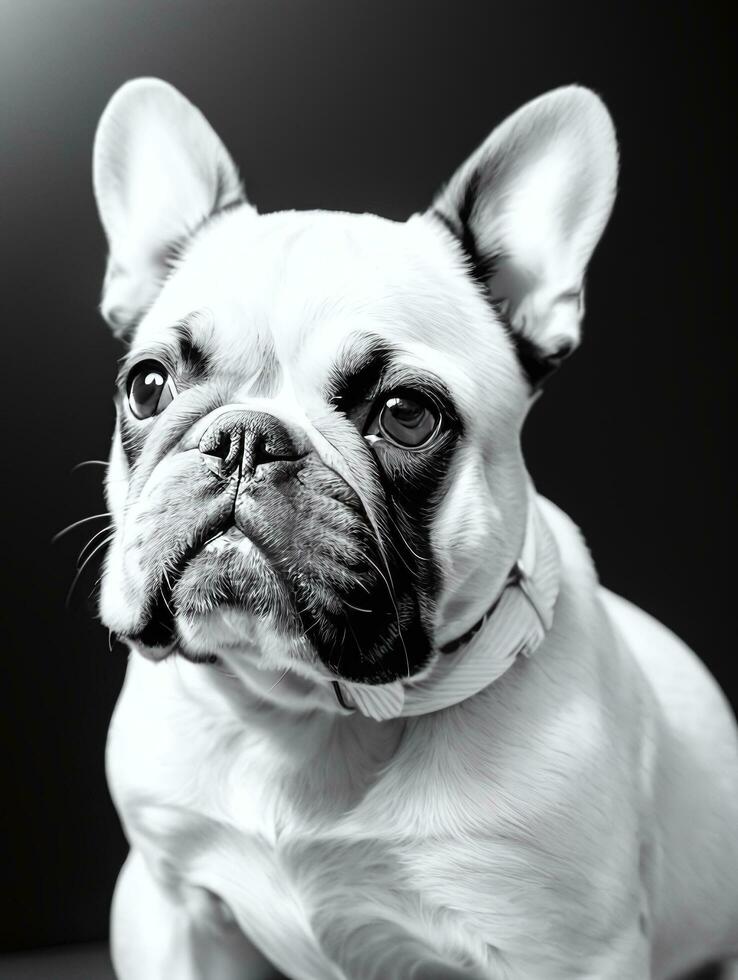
364,106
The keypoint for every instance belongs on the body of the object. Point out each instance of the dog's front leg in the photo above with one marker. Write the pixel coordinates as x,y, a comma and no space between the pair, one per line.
157,936
382,950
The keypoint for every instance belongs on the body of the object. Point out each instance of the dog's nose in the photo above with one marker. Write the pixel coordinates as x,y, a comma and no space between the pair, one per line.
245,439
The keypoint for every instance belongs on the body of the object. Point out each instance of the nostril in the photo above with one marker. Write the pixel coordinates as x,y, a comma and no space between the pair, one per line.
218,447
273,449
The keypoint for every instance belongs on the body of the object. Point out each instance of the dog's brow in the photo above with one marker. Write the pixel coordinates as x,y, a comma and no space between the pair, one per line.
366,363
358,367
190,352
182,350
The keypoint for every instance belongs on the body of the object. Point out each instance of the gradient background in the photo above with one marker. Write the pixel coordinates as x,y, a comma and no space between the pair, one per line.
362,106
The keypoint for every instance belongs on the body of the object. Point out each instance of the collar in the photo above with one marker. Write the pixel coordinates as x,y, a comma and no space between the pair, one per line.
515,624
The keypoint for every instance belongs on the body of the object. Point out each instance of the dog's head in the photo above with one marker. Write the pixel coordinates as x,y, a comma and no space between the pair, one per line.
317,462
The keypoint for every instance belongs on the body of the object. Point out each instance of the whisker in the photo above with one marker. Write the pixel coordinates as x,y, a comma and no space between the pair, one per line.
89,462
343,645
215,537
165,576
397,611
97,582
94,537
388,581
404,540
357,608
280,678
84,520
84,565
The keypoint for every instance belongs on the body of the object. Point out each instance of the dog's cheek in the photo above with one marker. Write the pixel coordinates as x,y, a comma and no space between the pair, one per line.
122,597
142,541
474,537
464,519
120,601
116,481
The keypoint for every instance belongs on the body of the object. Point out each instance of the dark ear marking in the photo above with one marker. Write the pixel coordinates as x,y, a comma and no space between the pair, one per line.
481,267
535,363
537,366
527,209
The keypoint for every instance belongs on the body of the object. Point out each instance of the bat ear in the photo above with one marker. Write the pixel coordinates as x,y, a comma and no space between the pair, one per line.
528,207
159,172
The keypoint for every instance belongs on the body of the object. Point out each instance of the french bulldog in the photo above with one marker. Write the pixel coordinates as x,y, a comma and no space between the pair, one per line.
380,720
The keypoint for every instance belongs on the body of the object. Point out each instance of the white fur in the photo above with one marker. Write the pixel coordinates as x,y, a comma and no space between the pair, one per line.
159,171
575,819
547,184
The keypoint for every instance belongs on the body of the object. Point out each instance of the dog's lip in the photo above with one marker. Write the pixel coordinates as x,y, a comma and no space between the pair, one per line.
160,610
165,640
228,538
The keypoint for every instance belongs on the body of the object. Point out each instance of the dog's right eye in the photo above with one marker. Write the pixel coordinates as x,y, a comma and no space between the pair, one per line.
150,389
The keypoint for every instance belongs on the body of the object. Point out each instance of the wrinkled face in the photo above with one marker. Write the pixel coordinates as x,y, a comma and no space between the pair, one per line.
310,462
317,465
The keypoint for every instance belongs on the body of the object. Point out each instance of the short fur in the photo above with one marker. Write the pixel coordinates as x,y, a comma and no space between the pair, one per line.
577,818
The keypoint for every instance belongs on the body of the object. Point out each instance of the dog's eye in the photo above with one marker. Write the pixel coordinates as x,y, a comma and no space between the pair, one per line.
150,389
407,421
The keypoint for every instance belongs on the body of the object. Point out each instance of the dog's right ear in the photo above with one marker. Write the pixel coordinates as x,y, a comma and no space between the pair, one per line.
527,208
159,172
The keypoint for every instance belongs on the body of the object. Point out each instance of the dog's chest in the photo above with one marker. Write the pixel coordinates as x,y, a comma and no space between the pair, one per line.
306,856
291,832
276,849
308,833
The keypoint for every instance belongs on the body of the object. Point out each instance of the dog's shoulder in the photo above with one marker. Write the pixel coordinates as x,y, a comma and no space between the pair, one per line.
576,561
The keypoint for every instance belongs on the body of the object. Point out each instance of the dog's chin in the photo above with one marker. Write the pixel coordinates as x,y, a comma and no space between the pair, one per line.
229,600
236,635
226,597
230,572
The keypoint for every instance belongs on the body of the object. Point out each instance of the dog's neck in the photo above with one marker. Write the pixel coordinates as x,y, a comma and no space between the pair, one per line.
515,624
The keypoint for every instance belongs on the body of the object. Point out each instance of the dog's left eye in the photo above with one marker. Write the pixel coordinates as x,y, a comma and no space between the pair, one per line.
150,389
406,420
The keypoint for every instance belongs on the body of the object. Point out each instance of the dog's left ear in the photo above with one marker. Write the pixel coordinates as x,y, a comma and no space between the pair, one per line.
528,208
159,172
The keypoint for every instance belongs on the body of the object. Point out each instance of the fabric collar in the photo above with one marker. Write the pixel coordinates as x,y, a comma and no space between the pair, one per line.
516,623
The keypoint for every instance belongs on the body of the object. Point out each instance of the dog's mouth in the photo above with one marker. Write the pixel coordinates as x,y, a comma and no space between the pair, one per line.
282,568
214,593
160,635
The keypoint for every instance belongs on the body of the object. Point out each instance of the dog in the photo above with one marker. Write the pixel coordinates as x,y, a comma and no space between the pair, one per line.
380,720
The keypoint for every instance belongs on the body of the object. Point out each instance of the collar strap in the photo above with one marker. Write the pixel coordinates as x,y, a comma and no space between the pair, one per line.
516,623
